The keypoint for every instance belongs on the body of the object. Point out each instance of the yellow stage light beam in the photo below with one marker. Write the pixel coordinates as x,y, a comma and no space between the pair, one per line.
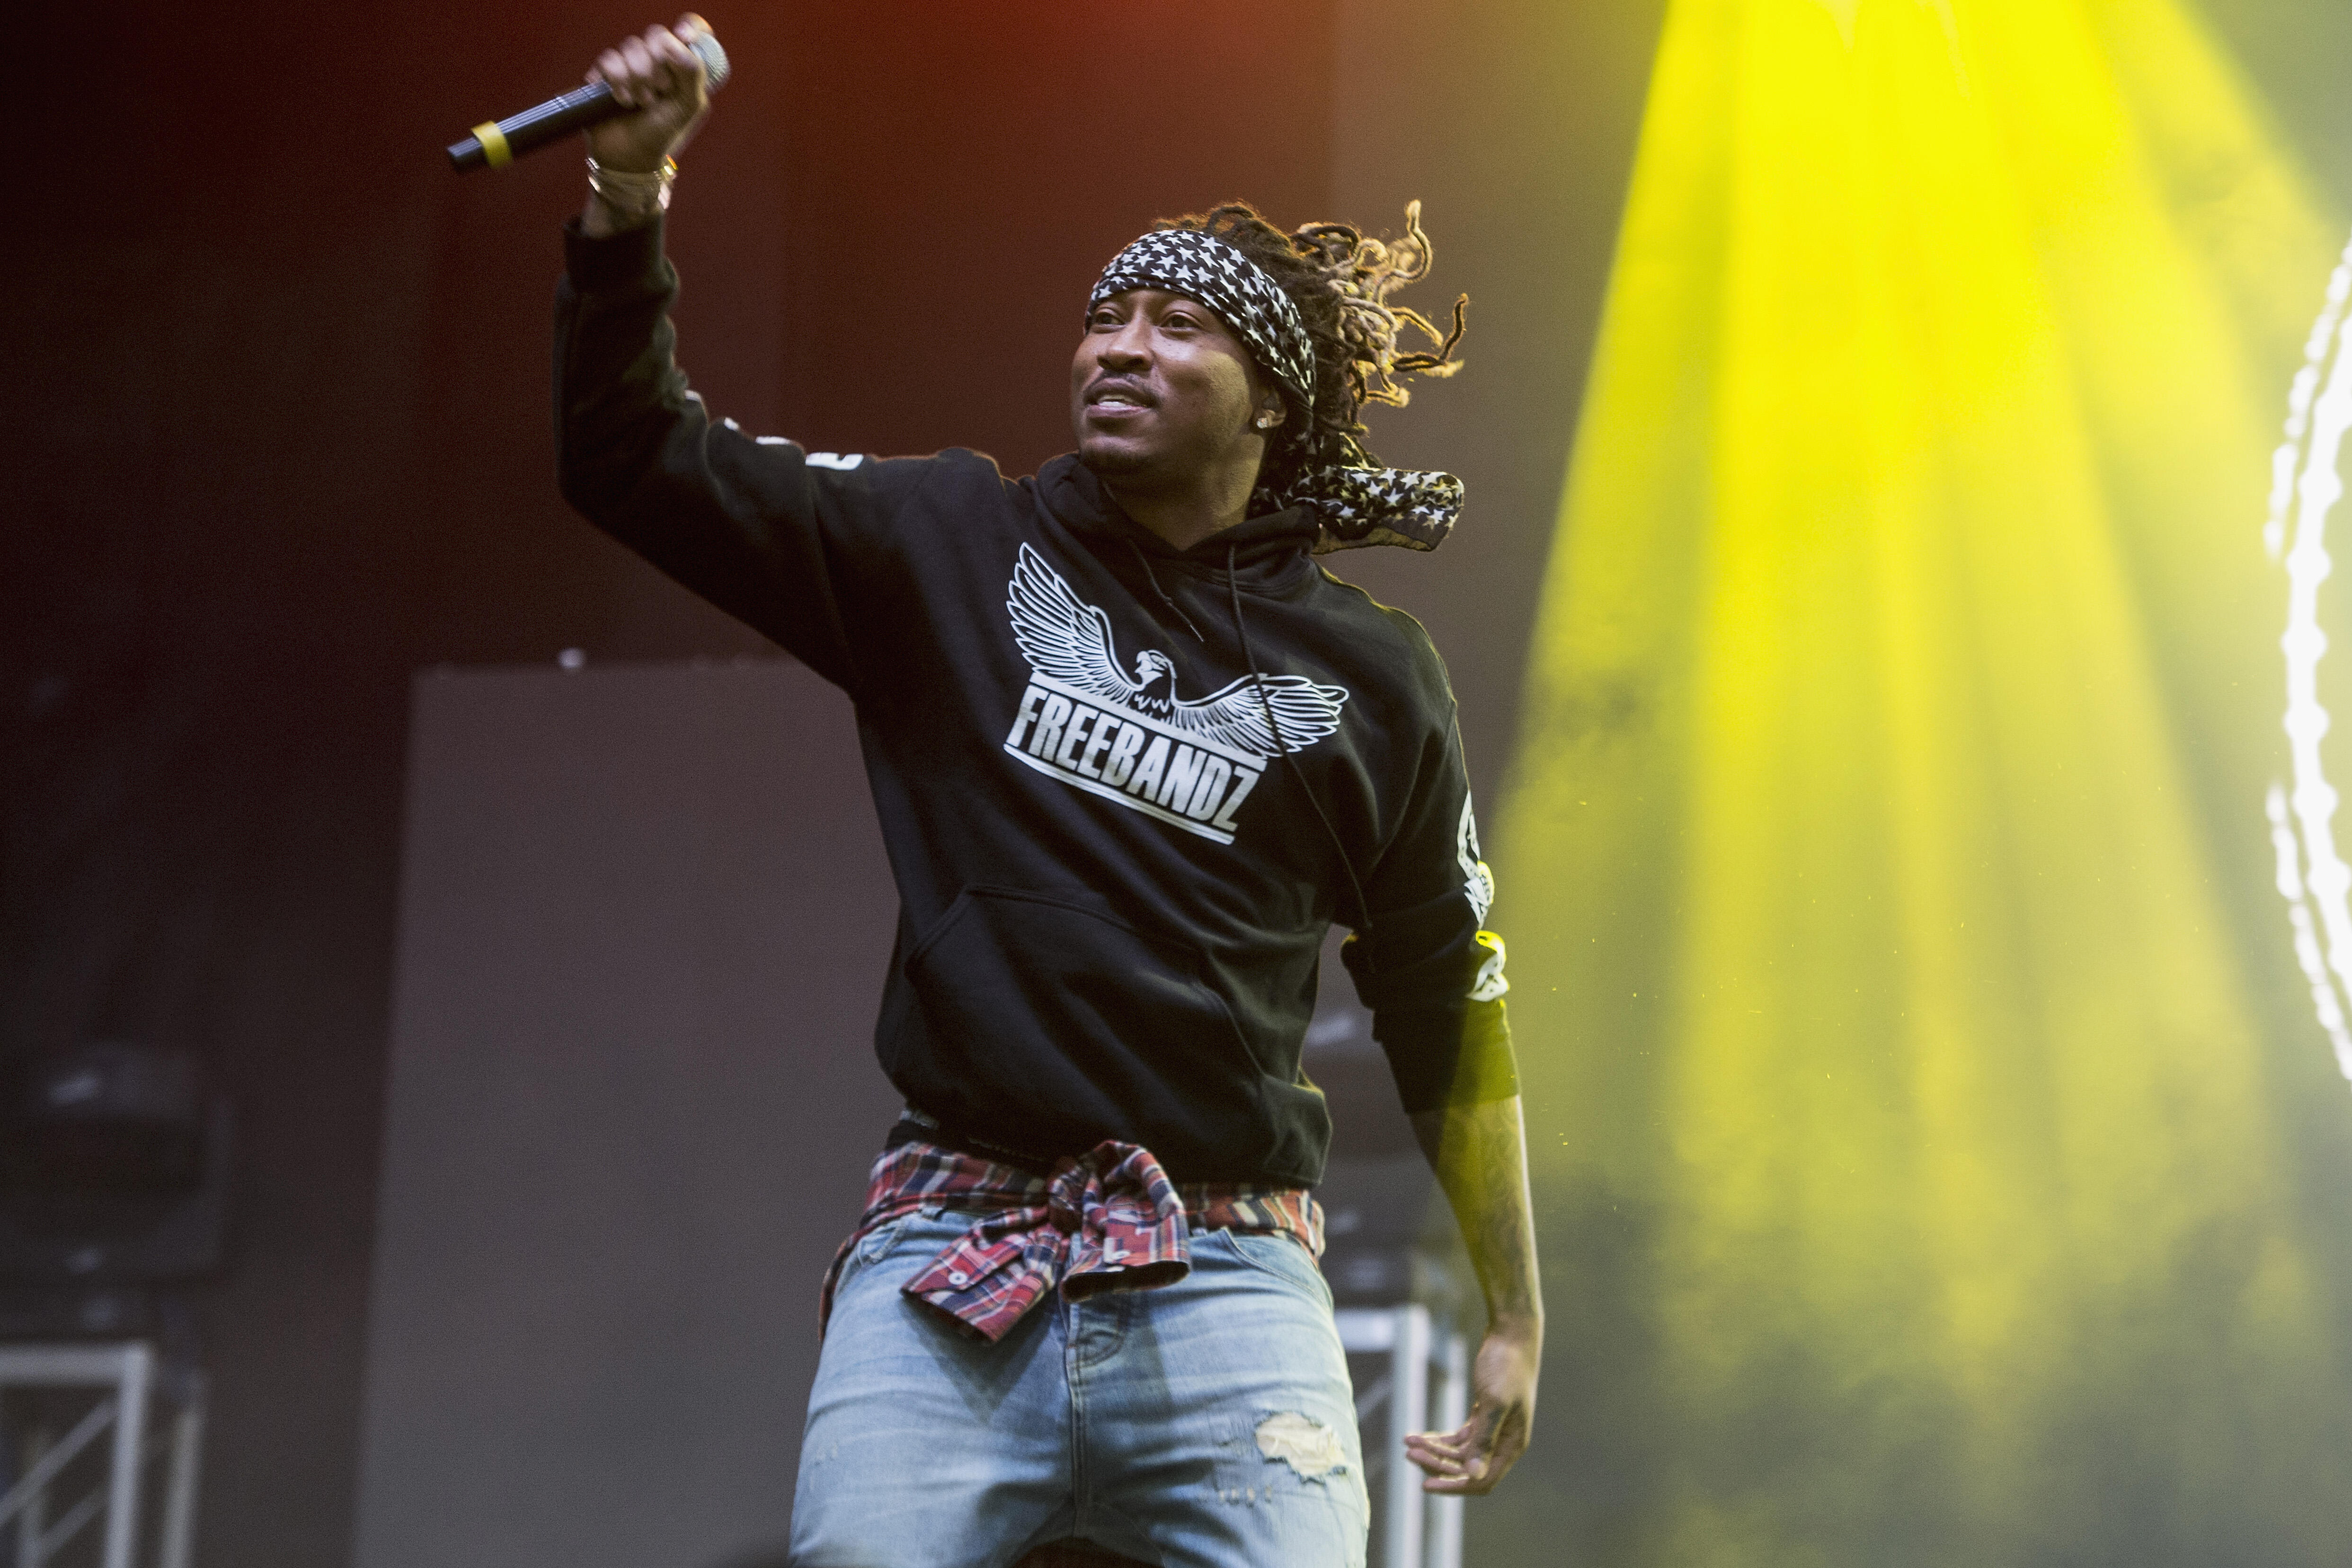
1900,1001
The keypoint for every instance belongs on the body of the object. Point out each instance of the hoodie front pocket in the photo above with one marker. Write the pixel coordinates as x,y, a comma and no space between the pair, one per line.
1049,1023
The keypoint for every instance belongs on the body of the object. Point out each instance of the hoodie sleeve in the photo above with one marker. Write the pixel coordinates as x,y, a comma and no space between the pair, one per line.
1428,969
779,538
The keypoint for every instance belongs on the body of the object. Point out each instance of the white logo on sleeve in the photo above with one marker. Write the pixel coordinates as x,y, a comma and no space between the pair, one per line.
814,459
1489,982
1478,887
1084,721
1478,883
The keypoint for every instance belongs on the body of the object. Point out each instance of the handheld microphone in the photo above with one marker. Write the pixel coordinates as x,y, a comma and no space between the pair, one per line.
498,142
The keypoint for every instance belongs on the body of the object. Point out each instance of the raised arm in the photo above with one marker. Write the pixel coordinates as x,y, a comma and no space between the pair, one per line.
783,540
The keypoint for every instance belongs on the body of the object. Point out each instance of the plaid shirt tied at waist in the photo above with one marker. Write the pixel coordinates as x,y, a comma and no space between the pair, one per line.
1108,1221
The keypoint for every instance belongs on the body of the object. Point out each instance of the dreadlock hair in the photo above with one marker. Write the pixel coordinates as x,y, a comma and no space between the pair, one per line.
1341,279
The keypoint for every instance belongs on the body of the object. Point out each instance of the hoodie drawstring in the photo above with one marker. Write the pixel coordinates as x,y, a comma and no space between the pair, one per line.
1241,628
1174,609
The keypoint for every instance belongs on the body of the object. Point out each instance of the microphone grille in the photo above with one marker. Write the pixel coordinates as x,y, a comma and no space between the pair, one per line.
713,58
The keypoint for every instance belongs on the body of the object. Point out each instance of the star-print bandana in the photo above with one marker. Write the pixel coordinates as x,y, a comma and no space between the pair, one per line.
1357,505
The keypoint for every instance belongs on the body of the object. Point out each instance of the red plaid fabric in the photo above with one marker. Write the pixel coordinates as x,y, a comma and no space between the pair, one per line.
1108,1221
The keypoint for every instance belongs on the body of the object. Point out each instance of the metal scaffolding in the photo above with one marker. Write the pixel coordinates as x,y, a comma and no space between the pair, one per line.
129,1391
1416,1530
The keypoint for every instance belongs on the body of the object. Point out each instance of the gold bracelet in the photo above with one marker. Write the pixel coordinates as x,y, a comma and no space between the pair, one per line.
631,192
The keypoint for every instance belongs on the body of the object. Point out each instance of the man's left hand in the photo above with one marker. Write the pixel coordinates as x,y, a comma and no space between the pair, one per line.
1470,1460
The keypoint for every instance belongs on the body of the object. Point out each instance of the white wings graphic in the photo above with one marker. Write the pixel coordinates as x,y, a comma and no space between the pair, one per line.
1478,881
1069,641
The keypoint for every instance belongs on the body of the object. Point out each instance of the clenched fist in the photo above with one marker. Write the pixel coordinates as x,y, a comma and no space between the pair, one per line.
662,81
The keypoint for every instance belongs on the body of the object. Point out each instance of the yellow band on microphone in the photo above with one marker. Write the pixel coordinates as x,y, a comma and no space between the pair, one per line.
495,150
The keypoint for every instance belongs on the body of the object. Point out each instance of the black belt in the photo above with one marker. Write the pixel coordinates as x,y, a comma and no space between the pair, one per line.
914,1127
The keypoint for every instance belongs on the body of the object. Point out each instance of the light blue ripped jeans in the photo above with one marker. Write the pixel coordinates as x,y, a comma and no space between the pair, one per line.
1164,1424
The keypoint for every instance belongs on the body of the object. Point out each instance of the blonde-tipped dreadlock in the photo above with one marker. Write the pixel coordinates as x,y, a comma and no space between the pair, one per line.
1341,279
1363,272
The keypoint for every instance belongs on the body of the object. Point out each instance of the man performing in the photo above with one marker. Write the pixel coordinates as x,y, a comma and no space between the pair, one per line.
1132,752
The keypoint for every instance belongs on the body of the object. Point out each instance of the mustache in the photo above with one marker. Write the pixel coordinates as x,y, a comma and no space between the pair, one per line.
1128,387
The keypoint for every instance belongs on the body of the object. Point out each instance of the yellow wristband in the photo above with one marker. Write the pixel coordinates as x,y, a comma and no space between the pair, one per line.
495,150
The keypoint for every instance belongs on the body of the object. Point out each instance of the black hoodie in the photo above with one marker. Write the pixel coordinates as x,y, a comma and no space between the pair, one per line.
1113,886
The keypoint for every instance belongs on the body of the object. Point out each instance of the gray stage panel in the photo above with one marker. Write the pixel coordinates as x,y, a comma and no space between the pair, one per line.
645,914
